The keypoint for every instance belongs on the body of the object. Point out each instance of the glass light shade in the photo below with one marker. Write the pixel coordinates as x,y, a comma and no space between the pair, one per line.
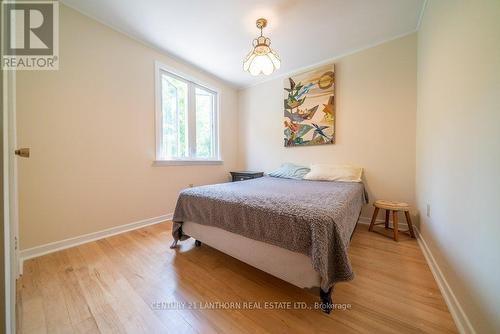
257,63
262,59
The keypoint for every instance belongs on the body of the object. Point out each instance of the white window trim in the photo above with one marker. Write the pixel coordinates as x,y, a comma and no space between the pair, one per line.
159,67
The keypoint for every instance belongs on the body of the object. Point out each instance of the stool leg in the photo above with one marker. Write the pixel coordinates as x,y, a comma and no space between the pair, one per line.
374,217
410,225
387,218
395,223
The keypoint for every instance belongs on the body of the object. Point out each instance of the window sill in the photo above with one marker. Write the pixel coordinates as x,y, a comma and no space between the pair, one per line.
159,163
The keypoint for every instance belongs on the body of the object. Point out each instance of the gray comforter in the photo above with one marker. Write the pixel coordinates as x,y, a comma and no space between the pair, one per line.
310,217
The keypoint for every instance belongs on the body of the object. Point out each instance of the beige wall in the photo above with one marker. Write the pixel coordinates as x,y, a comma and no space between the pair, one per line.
376,105
91,130
458,150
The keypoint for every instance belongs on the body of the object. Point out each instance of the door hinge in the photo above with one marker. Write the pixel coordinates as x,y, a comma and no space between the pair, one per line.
15,243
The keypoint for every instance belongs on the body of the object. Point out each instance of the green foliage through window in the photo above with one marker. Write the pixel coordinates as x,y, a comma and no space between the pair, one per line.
184,136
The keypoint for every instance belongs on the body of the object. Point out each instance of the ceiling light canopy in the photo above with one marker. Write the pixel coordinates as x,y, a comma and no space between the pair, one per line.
262,59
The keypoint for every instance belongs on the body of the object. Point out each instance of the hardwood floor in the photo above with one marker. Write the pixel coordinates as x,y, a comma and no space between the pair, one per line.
118,285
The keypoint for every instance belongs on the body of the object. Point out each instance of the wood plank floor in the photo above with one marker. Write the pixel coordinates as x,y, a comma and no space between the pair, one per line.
118,285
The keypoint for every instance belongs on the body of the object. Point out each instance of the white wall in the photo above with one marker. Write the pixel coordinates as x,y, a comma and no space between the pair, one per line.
375,129
458,150
91,129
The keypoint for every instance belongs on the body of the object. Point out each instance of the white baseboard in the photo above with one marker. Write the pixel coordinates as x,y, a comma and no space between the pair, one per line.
37,251
462,322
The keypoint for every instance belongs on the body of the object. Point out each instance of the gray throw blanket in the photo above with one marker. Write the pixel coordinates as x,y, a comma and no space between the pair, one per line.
315,218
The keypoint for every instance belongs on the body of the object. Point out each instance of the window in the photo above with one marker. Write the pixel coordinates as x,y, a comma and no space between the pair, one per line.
187,120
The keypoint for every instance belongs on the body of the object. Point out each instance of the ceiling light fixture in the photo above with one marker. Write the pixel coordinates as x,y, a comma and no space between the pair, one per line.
262,59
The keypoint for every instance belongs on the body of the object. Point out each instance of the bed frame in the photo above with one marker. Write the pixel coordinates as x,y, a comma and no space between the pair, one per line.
292,267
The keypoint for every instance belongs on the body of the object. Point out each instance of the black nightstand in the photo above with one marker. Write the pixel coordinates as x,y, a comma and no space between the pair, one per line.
245,175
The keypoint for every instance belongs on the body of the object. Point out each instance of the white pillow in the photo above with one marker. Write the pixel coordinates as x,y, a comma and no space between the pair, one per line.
343,173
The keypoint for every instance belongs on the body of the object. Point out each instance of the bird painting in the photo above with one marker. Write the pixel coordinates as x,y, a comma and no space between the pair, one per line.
309,108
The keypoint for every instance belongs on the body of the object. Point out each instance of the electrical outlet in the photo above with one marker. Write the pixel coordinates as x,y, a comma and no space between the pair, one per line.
428,210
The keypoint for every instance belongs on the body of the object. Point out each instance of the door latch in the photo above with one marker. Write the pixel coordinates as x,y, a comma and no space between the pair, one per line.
23,152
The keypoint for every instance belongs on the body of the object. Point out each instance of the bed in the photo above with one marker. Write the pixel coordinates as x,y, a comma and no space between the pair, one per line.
296,230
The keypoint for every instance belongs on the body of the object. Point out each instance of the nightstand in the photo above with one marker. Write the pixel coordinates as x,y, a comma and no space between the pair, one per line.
245,175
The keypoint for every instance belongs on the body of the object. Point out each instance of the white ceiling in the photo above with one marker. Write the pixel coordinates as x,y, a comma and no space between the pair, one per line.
215,35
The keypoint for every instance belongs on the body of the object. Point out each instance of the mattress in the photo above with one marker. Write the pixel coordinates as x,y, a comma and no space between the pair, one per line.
293,267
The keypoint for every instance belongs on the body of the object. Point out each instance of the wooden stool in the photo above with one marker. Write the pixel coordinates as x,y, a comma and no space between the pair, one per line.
395,207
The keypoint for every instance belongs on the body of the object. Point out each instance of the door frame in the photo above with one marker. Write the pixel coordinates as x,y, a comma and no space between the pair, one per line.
10,219
10,195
